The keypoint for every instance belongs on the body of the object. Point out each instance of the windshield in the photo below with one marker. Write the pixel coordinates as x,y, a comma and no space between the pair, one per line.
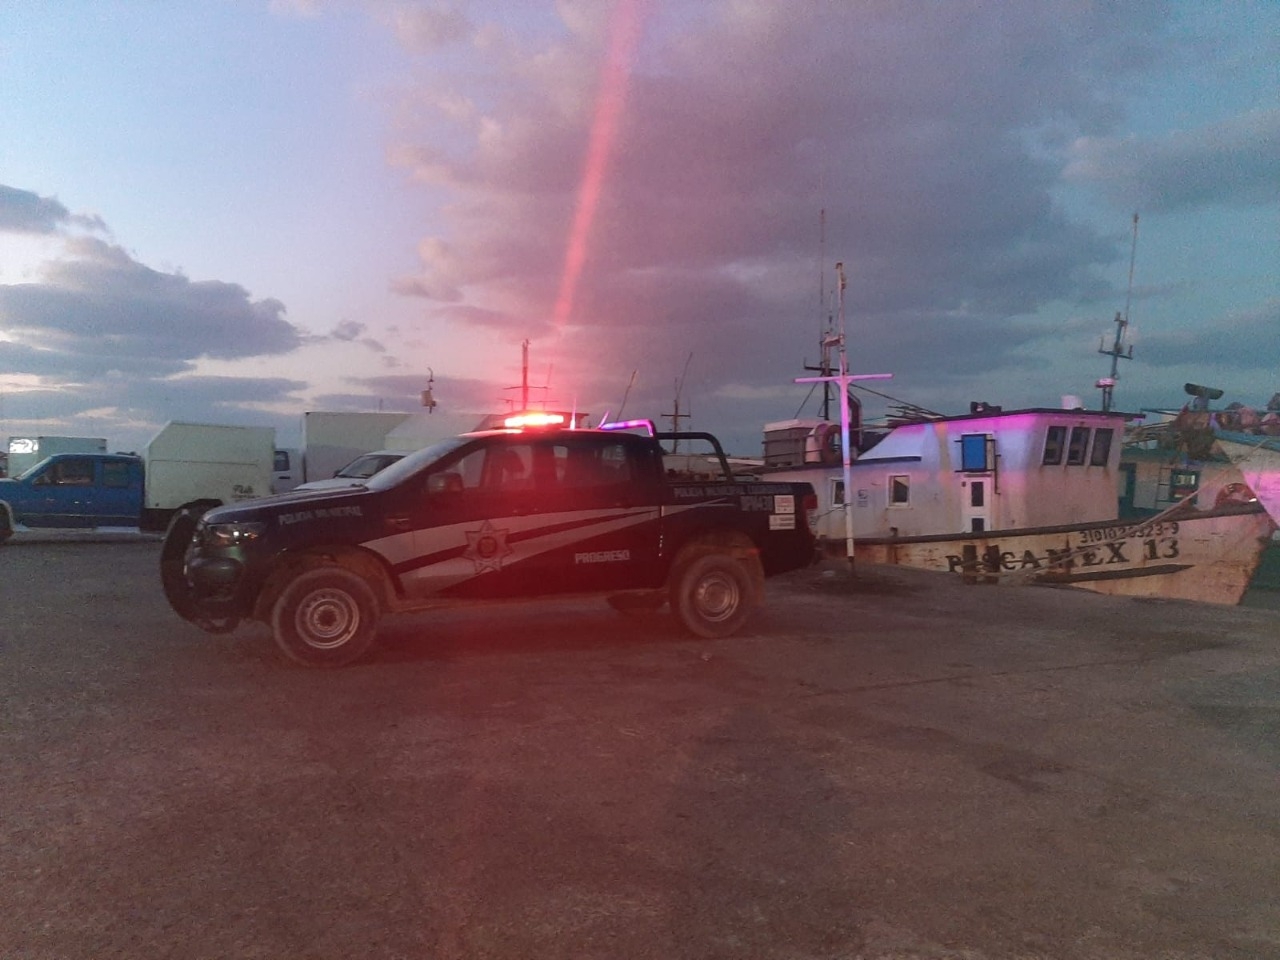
32,470
361,468
413,462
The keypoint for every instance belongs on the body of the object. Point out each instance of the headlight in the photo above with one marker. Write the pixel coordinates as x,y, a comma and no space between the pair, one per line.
232,534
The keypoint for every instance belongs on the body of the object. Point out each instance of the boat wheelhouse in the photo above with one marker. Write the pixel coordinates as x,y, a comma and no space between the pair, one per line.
988,470
1001,496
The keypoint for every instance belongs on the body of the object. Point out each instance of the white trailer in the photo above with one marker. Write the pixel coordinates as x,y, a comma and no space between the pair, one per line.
26,452
331,440
207,463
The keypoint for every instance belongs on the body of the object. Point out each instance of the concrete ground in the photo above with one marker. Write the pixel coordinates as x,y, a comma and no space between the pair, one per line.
894,767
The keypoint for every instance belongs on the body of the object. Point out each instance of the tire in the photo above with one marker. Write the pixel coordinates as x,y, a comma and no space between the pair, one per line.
713,594
6,529
172,560
325,617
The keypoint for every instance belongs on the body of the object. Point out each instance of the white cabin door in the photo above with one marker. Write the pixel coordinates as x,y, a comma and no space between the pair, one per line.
975,504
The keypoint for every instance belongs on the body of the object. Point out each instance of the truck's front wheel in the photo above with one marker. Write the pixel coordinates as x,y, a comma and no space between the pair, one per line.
713,594
172,557
325,617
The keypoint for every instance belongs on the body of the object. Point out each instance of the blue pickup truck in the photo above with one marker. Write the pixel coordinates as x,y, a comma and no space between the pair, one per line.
187,467
74,490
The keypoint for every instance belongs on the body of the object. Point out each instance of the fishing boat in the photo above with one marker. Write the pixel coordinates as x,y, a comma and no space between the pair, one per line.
1257,458
1209,456
1008,496
1015,496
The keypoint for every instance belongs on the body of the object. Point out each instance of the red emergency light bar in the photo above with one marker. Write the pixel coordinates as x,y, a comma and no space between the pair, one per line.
521,421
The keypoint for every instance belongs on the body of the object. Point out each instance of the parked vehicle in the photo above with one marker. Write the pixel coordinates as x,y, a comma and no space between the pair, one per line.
331,440
513,513
357,471
25,452
187,466
286,469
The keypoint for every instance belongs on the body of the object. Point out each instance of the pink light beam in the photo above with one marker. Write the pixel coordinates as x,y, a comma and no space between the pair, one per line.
625,29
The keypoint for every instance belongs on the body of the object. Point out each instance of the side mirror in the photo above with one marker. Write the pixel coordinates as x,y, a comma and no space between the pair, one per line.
449,482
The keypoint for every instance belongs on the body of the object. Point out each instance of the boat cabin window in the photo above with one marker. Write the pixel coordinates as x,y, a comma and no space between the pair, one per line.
1183,484
1054,442
1079,444
975,454
899,490
977,494
1101,448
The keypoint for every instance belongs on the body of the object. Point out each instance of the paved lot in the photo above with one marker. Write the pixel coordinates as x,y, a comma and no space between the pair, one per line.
899,768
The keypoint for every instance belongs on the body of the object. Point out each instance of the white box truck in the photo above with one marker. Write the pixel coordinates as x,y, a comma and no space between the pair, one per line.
190,462
26,452
331,440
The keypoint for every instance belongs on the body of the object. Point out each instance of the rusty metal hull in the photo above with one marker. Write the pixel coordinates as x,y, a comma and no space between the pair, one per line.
1208,556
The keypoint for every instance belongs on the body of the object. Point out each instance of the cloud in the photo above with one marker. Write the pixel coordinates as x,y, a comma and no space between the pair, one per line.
122,404
101,307
404,392
947,154
347,331
425,27
107,337
1234,163
1247,340
22,211
913,128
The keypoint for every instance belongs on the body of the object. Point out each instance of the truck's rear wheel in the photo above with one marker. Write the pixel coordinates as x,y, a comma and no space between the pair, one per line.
6,529
325,617
713,594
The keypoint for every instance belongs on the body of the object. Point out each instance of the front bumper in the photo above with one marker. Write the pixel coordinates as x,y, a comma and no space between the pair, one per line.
205,590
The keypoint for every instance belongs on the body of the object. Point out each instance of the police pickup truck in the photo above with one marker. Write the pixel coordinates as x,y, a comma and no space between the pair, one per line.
516,512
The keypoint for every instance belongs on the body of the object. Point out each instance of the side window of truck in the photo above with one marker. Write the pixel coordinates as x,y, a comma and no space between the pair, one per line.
508,467
115,474
70,473
593,466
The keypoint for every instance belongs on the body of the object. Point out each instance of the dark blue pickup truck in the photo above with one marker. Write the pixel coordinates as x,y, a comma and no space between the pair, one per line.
500,514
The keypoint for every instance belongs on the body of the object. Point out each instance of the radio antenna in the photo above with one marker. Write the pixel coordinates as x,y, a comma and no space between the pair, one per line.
1119,350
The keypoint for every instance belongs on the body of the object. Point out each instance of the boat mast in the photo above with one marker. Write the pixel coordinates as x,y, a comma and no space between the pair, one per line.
844,378
826,336
1118,350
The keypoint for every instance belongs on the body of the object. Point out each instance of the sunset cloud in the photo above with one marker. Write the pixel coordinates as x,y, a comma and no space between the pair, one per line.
627,185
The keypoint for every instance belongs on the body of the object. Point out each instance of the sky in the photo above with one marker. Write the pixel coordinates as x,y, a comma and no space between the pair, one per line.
230,211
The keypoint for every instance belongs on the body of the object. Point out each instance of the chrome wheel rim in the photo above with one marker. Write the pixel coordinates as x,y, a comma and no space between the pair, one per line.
717,597
327,619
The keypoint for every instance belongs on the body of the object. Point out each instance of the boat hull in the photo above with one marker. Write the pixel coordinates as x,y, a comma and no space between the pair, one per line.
1207,556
